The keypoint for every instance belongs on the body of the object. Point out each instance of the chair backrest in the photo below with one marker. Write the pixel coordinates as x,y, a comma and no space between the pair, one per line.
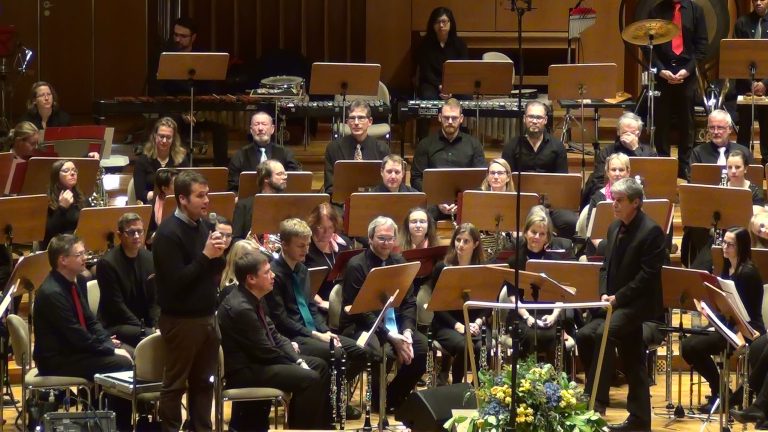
94,295
495,56
149,358
503,298
19,333
334,307
131,193
423,316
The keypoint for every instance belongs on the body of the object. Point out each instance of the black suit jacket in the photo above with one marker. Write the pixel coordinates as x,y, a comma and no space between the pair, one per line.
632,267
122,302
694,37
283,306
745,28
247,159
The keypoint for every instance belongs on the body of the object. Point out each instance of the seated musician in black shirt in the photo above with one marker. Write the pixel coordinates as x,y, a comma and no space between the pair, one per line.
69,340
249,157
327,242
542,153
272,179
358,145
65,200
128,302
718,148
392,175
398,328
257,355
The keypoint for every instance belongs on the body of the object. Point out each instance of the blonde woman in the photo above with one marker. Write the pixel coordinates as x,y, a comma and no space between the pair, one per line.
228,279
163,150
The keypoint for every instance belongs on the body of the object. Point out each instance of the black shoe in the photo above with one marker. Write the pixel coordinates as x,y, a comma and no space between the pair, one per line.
353,413
707,407
599,408
751,414
631,424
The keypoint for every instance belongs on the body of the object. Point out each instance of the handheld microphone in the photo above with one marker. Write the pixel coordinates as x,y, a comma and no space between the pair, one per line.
212,221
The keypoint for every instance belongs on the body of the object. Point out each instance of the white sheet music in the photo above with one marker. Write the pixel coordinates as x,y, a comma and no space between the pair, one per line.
729,288
734,339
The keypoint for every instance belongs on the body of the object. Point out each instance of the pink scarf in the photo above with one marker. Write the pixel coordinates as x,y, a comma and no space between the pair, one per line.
607,192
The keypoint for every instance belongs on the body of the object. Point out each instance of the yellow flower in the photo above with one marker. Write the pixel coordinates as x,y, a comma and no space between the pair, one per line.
525,385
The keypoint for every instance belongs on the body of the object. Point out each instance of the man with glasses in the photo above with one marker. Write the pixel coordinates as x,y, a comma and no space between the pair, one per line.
249,157
398,328
126,275
448,148
356,146
542,153
718,148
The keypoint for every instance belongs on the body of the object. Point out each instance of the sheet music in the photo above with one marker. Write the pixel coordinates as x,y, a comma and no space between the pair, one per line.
734,339
7,299
729,288
363,340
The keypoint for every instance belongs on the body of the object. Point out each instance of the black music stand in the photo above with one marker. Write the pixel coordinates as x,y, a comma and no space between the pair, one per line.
341,263
741,59
192,66
364,207
344,79
316,278
578,81
478,78
380,285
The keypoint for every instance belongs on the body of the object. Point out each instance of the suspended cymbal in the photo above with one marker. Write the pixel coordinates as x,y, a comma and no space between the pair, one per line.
638,32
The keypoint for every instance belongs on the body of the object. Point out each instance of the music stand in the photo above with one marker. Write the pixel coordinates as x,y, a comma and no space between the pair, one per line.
562,191
658,175
221,203
216,176
442,185
23,218
714,206
427,257
364,207
38,175
344,79
316,278
298,182
341,263
271,209
741,59
712,174
578,81
379,285
350,176
96,226
478,77
192,66
495,211
660,210
583,276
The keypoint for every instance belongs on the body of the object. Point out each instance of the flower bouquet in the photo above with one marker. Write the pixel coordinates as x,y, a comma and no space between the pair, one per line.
546,401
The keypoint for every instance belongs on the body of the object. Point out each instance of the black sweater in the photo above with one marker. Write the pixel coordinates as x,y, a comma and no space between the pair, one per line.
186,279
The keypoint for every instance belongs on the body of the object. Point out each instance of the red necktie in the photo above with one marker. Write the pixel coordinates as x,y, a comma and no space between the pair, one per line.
78,306
677,41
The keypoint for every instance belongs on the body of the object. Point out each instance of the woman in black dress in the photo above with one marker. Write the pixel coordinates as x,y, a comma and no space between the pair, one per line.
163,150
65,200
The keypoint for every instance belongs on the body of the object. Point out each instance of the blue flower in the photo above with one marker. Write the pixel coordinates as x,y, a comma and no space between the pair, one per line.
493,408
552,394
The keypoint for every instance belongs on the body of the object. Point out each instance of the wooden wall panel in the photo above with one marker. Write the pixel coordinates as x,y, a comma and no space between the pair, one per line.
478,15
391,22
547,15
120,58
602,42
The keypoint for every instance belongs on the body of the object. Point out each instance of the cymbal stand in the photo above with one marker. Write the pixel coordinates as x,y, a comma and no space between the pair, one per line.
650,75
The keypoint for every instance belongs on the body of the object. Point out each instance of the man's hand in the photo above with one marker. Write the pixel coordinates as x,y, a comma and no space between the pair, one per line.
403,347
758,88
459,327
474,329
215,245
94,155
548,320
326,337
629,140
66,198
444,96
608,299
295,347
447,208
124,353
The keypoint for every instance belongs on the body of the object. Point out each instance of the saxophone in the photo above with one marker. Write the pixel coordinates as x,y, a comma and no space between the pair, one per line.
99,198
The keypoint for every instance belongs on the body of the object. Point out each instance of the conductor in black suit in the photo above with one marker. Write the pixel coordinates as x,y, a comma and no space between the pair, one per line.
630,279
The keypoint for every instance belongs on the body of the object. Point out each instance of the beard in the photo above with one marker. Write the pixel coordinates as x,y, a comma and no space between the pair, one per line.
277,187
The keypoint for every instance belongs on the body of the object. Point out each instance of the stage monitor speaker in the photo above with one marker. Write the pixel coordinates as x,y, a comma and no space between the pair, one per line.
428,410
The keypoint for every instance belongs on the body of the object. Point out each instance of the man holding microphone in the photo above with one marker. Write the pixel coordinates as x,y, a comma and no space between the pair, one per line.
187,256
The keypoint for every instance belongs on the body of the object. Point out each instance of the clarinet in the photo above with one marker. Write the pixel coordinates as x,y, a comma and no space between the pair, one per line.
430,361
368,394
559,348
483,349
334,377
343,392
719,233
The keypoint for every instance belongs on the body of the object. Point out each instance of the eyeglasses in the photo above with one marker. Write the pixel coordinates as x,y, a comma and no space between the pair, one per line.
357,119
717,128
451,119
164,137
497,173
535,117
383,239
68,170
728,245
134,232
443,21
43,95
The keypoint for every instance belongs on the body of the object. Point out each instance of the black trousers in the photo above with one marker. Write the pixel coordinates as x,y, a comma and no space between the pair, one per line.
536,340
758,375
356,356
697,351
455,344
624,334
309,388
676,100
745,121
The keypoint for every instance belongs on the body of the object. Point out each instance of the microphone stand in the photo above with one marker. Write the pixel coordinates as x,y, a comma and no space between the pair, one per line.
516,331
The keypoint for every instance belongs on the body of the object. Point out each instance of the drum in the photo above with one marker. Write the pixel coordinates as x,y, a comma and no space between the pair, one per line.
283,84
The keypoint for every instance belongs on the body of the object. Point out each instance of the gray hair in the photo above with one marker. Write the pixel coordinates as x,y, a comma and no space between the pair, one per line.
629,187
723,114
380,221
629,117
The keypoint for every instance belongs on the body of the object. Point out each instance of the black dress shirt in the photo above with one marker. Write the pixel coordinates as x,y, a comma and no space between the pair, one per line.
283,305
248,157
344,149
431,56
695,38
58,118
382,188
707,153
643,150
749,285
435,151
550,157
354,276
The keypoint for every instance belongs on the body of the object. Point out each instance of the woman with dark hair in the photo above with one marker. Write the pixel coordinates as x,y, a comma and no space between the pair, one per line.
736,166
43,107
65,200
162,150
163,189
697,350
421,232
440,43
325,246
448,326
